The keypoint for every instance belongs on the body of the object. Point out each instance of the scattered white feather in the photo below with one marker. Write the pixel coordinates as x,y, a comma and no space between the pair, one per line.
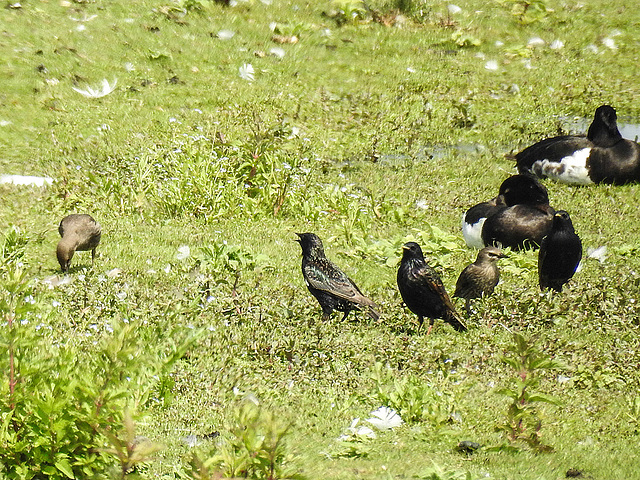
246,72
26,180
184,252
90,92
277,52
491,65
55,281
556,45
599,253
226,34
453,9
385,418
609,43
535,42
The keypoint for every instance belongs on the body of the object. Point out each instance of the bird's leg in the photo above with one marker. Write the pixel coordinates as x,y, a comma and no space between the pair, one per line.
467,305
345,315
326,316
420,320
431,320
93,256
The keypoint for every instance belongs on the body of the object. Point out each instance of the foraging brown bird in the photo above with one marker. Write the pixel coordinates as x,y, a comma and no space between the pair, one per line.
479,278
560,253
331,287
423,291
79,232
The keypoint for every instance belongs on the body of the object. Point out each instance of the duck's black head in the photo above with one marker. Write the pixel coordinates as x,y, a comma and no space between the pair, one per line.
603,131
523,189
311,244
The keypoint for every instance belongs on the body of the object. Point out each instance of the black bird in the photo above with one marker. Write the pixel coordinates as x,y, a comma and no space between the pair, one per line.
79,232
518,227
479,278
331,287
474,218
515,190
423,291
560,253
602,156
524,224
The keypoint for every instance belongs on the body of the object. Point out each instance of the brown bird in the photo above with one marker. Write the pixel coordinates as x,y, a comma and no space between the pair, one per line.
79,232
423,291
330,285
479,278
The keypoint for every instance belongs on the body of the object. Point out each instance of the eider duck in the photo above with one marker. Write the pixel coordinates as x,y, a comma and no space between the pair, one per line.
602,156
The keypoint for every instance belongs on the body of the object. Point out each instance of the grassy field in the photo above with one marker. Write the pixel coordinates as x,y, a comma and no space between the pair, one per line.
229,129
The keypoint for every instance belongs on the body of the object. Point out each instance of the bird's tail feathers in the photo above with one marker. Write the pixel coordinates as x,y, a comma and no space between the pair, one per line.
455,320
373,313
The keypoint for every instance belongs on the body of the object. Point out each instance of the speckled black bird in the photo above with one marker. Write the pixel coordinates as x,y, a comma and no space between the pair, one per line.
560,253
331,287
522,189
602,156
479,278
423,291
79,232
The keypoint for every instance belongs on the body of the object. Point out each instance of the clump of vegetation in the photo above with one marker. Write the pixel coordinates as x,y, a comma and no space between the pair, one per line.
523,422
256,447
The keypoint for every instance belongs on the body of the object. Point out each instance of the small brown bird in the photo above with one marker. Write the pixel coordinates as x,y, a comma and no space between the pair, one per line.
423,291
330,285
479,278
79,232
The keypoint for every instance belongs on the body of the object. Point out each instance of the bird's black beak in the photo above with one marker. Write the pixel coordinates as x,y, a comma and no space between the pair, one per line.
299,239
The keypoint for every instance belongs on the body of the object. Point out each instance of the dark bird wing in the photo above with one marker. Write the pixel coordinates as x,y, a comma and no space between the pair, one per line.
427,283
325,276
467,285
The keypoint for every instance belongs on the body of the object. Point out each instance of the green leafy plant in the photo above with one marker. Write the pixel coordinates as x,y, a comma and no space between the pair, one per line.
529,11
255,448
129,448
437,472
523,422
414,399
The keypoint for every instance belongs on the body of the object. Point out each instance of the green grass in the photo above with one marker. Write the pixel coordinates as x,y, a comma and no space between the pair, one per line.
344,136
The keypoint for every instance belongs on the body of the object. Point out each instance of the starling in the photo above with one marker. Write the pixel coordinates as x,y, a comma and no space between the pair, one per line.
423,291
331,287
479,278
560,253
79,232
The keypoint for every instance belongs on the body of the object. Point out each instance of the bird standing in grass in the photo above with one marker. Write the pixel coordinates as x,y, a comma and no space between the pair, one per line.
479,278
423,291
79,232
560,253
331,287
